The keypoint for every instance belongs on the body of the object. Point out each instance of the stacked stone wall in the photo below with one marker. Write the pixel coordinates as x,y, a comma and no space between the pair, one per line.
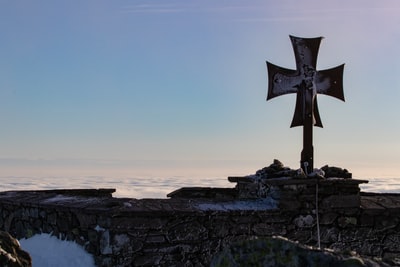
188,232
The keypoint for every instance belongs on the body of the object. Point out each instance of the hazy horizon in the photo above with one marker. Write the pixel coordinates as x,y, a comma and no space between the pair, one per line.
163,168
94,87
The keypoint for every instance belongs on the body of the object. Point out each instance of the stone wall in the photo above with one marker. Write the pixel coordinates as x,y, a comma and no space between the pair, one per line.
188,232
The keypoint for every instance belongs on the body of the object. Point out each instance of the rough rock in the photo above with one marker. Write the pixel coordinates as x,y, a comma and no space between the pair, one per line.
11,254
277,169
336,172
278,251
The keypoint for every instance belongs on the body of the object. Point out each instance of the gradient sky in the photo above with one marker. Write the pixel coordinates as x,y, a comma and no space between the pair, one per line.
124,82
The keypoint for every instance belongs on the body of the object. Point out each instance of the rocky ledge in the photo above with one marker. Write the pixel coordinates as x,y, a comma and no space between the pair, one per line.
279,251
11,254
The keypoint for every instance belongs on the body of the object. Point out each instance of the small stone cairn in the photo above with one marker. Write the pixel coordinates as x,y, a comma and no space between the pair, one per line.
293,189
328,187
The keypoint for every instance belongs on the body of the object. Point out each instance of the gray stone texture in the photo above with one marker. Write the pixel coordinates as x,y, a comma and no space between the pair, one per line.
177,232
280,252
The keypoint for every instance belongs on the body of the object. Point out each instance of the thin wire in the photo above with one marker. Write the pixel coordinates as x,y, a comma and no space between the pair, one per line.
316,205
316,210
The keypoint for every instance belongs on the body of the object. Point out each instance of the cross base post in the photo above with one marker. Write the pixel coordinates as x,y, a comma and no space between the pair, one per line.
307,154
307,162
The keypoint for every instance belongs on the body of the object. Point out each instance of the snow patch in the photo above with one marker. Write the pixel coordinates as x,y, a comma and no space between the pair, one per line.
258,204
98,228
60,198
49,251
127,205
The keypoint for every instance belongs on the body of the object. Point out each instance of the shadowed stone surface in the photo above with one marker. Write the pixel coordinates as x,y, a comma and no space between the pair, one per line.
281,252
189,232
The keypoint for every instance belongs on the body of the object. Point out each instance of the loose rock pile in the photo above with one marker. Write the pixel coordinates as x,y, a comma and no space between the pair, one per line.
332,186
277,169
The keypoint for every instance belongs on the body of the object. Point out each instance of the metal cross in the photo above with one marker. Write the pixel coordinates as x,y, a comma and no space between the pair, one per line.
306,82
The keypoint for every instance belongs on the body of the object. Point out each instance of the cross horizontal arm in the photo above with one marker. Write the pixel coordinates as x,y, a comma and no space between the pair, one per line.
330,82
281,81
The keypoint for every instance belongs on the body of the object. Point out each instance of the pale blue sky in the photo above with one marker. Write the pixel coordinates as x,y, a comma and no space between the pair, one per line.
120,81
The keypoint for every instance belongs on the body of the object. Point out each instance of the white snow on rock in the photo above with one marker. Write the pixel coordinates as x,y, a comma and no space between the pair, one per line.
60,198
98,228
49,251
258,204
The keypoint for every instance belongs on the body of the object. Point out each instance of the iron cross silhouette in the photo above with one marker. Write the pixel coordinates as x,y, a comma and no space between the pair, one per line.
306,82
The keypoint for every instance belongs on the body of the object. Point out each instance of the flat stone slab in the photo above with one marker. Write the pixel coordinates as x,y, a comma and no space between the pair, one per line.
297,181
101,192
131,206
204,192
368,201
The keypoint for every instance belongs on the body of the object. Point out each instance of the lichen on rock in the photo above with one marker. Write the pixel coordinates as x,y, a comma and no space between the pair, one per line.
281,252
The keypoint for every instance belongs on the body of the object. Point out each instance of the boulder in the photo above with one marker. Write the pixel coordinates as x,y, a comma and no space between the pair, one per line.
11,254
336,172
281,252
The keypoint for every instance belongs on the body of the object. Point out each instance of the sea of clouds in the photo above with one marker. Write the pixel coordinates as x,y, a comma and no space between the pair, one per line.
151,187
